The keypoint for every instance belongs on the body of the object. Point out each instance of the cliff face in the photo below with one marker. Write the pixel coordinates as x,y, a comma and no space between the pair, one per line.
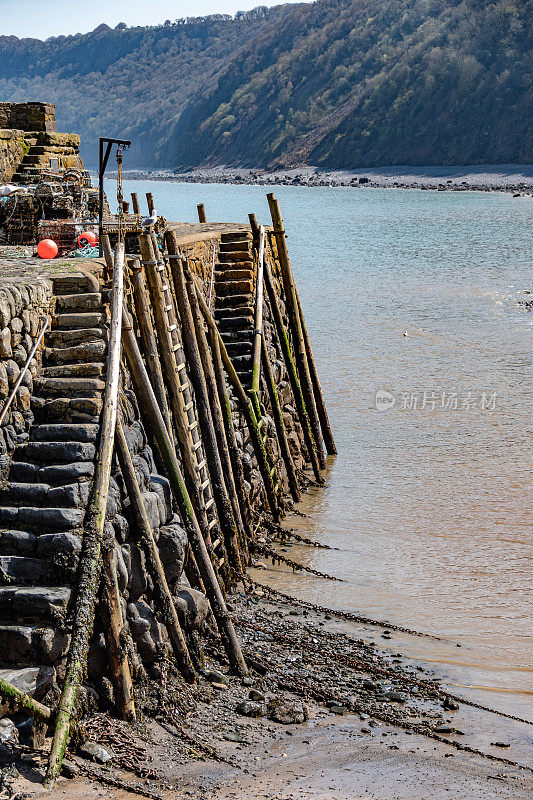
338,83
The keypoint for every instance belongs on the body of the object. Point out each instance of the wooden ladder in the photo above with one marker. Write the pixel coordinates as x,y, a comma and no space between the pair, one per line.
207,513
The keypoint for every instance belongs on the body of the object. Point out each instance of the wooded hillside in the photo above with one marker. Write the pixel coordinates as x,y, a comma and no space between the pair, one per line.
335,83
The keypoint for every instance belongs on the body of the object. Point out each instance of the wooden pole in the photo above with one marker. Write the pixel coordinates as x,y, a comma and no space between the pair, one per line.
201,212
113,631
108,256
296,325
165,601
258,324
148,402
255,229
292,373
327,433
24,701
279,422
135,204
146,328
90,561
248,411
198,378
234,451
150,202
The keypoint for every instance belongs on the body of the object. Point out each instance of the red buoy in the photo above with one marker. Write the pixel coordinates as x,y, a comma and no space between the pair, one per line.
87,237
47,248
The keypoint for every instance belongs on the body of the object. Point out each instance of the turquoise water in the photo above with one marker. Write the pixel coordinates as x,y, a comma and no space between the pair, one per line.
410,292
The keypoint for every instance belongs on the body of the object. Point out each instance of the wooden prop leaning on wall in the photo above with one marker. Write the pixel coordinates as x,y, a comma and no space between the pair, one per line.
258,325
248,411
155,422
292,372
296,326
165,602
234,452
90,559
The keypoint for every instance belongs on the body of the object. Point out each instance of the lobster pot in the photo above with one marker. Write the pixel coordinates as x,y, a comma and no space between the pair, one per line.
63,232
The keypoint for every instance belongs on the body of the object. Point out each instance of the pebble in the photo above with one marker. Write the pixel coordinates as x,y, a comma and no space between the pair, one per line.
500,744
256,695
249,709
95,752
69,769
443,729
214,676
450,705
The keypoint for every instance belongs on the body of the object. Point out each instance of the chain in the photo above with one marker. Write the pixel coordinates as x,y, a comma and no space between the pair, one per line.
287,598
296,567
284,534
120,197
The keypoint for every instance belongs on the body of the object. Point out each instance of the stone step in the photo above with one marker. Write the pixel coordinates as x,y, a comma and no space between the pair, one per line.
17,543
237,311
45,603
93,370
224,288
21,569
75,337
75,284
89,319
234,323
242,363
232,274
54,474
67,409
85,353
241,259
22,645
41,519
236,336
91,301
74,495
236,247
55,452
239,349
69,387
64,433
34,681
236,236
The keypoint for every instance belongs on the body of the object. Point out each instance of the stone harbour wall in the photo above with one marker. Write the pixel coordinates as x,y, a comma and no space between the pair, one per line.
24,306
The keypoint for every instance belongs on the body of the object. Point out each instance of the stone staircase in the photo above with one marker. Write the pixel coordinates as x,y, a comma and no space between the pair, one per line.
42,505
234,299
48,151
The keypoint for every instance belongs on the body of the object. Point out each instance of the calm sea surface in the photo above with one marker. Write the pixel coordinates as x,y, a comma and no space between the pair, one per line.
415,293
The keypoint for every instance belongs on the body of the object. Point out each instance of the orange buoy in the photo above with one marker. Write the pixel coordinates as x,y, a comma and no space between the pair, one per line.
47,248
87,237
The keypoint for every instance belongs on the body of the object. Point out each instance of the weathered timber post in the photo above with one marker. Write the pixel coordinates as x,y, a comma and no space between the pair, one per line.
248,411
234,451
292,373
150,203
258,325
254,228
201,212
151,353
199,382
165,601
296,325
279,422
135,204
108,256
153,415
327,433
24,701
90,560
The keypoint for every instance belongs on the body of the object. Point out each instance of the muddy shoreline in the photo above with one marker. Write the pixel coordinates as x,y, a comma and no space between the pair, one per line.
512,179
327,713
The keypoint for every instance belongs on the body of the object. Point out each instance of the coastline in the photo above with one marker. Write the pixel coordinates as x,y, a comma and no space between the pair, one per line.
508,178
370,743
